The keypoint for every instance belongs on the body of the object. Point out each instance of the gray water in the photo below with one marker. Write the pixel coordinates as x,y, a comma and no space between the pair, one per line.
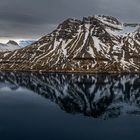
69,106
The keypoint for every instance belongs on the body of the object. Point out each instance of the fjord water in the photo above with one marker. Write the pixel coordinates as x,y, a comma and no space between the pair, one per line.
69,106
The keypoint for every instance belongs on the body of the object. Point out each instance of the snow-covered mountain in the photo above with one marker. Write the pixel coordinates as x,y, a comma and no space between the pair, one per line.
98,96
24,43
94,44
9,46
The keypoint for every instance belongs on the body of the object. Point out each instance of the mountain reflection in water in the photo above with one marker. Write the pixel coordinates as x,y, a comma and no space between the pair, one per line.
98,96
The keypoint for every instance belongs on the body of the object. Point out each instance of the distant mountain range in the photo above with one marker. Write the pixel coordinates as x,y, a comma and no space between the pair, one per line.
12,45
24,43
94,44
9,46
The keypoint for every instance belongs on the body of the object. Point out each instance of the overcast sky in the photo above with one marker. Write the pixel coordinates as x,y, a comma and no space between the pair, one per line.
34,18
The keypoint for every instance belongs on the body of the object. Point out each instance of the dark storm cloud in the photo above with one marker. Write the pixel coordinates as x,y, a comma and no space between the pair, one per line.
38,17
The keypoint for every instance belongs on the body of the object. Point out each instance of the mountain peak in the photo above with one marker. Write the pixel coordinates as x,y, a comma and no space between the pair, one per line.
12,42
109,19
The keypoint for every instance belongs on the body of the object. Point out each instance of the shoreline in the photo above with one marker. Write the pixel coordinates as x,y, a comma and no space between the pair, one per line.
71,72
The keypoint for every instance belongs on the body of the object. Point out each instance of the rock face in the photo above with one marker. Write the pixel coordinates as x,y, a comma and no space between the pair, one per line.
97,96
9,46
95,44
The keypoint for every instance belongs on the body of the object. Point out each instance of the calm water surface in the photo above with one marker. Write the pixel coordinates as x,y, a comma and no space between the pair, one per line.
69,107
